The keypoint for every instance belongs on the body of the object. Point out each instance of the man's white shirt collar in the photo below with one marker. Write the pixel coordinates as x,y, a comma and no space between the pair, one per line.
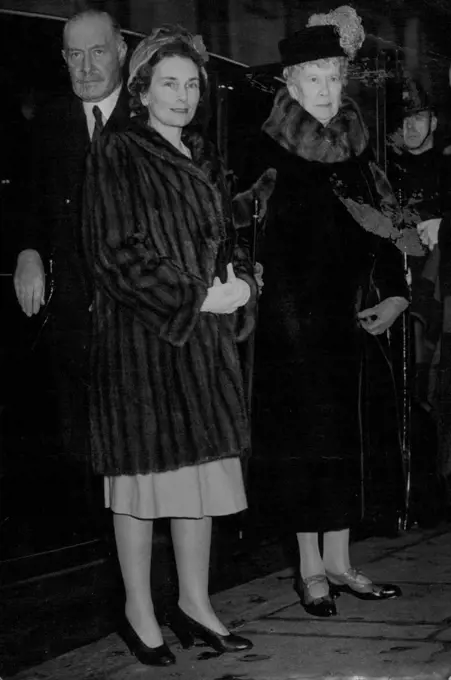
106,106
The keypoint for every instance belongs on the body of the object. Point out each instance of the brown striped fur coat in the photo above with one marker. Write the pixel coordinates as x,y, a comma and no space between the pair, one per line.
166,387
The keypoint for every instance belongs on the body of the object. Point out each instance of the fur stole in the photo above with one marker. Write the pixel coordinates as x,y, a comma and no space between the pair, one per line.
344,138
300,133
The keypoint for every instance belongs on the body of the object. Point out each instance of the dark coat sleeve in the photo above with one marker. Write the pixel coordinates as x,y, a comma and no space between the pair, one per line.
246,316
241,257
120,233
388,274
243,265
444,244
36,227
445,184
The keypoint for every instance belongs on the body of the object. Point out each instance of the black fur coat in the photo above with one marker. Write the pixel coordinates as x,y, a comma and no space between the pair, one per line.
328,251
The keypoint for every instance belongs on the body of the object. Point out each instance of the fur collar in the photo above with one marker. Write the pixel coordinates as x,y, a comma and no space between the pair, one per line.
204,156
298,132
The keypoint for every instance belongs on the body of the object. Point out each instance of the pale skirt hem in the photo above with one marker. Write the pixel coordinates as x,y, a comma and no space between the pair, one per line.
211,489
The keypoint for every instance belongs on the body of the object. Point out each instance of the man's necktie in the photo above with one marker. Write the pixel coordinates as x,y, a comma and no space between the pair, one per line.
98,127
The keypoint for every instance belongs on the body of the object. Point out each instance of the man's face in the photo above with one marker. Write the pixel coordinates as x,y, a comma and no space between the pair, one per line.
317,87
417,128
174,93
94,57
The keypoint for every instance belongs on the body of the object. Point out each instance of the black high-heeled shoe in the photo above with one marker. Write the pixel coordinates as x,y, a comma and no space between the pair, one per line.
188,629
149,656
323,606
348,582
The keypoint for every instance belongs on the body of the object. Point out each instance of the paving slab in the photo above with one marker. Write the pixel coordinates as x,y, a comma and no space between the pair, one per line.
407,638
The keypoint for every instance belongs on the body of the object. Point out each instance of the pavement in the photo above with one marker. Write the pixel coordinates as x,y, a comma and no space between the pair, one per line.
392,640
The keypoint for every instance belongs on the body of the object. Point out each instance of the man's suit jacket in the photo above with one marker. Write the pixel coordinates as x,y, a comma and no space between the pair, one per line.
60,146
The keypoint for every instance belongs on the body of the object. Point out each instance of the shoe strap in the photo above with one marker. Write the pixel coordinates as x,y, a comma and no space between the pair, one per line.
351,576
316,579
355,573
366,586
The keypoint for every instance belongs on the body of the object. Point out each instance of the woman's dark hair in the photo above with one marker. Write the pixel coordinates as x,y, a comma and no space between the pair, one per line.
141,82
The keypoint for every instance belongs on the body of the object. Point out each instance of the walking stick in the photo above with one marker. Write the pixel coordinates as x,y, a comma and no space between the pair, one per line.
250,353
406,449
406,411
249,359
250,349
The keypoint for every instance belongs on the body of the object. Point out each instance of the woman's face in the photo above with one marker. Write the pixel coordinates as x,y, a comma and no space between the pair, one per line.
317,87
174,92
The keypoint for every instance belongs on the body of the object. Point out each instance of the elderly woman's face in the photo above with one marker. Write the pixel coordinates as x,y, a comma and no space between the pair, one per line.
317,87
174,92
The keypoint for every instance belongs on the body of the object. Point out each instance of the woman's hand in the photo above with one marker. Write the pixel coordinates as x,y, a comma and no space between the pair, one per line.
258,276
225,298
428,232
378,319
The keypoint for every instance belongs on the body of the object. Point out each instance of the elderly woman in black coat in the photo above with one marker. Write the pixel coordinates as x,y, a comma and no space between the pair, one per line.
168,416
333,273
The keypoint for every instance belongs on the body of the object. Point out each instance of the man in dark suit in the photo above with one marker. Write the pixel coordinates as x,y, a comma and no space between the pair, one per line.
94,51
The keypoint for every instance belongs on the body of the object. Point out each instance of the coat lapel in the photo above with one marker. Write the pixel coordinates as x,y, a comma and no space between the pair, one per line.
74,141
74,144
157,146
120,115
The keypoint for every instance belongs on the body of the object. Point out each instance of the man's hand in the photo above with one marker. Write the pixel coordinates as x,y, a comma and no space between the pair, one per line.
225,298
29,281
428,232
378,319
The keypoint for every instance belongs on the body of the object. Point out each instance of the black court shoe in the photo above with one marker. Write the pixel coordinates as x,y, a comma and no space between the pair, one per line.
149,656
187,630
324,605
348,582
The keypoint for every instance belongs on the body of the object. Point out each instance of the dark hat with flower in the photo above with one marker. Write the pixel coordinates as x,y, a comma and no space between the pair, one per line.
309,44
338,33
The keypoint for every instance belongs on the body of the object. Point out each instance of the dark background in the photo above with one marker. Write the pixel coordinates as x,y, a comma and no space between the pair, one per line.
58,575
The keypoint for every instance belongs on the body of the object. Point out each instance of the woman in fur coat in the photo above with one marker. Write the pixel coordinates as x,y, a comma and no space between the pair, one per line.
332,274
168,416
